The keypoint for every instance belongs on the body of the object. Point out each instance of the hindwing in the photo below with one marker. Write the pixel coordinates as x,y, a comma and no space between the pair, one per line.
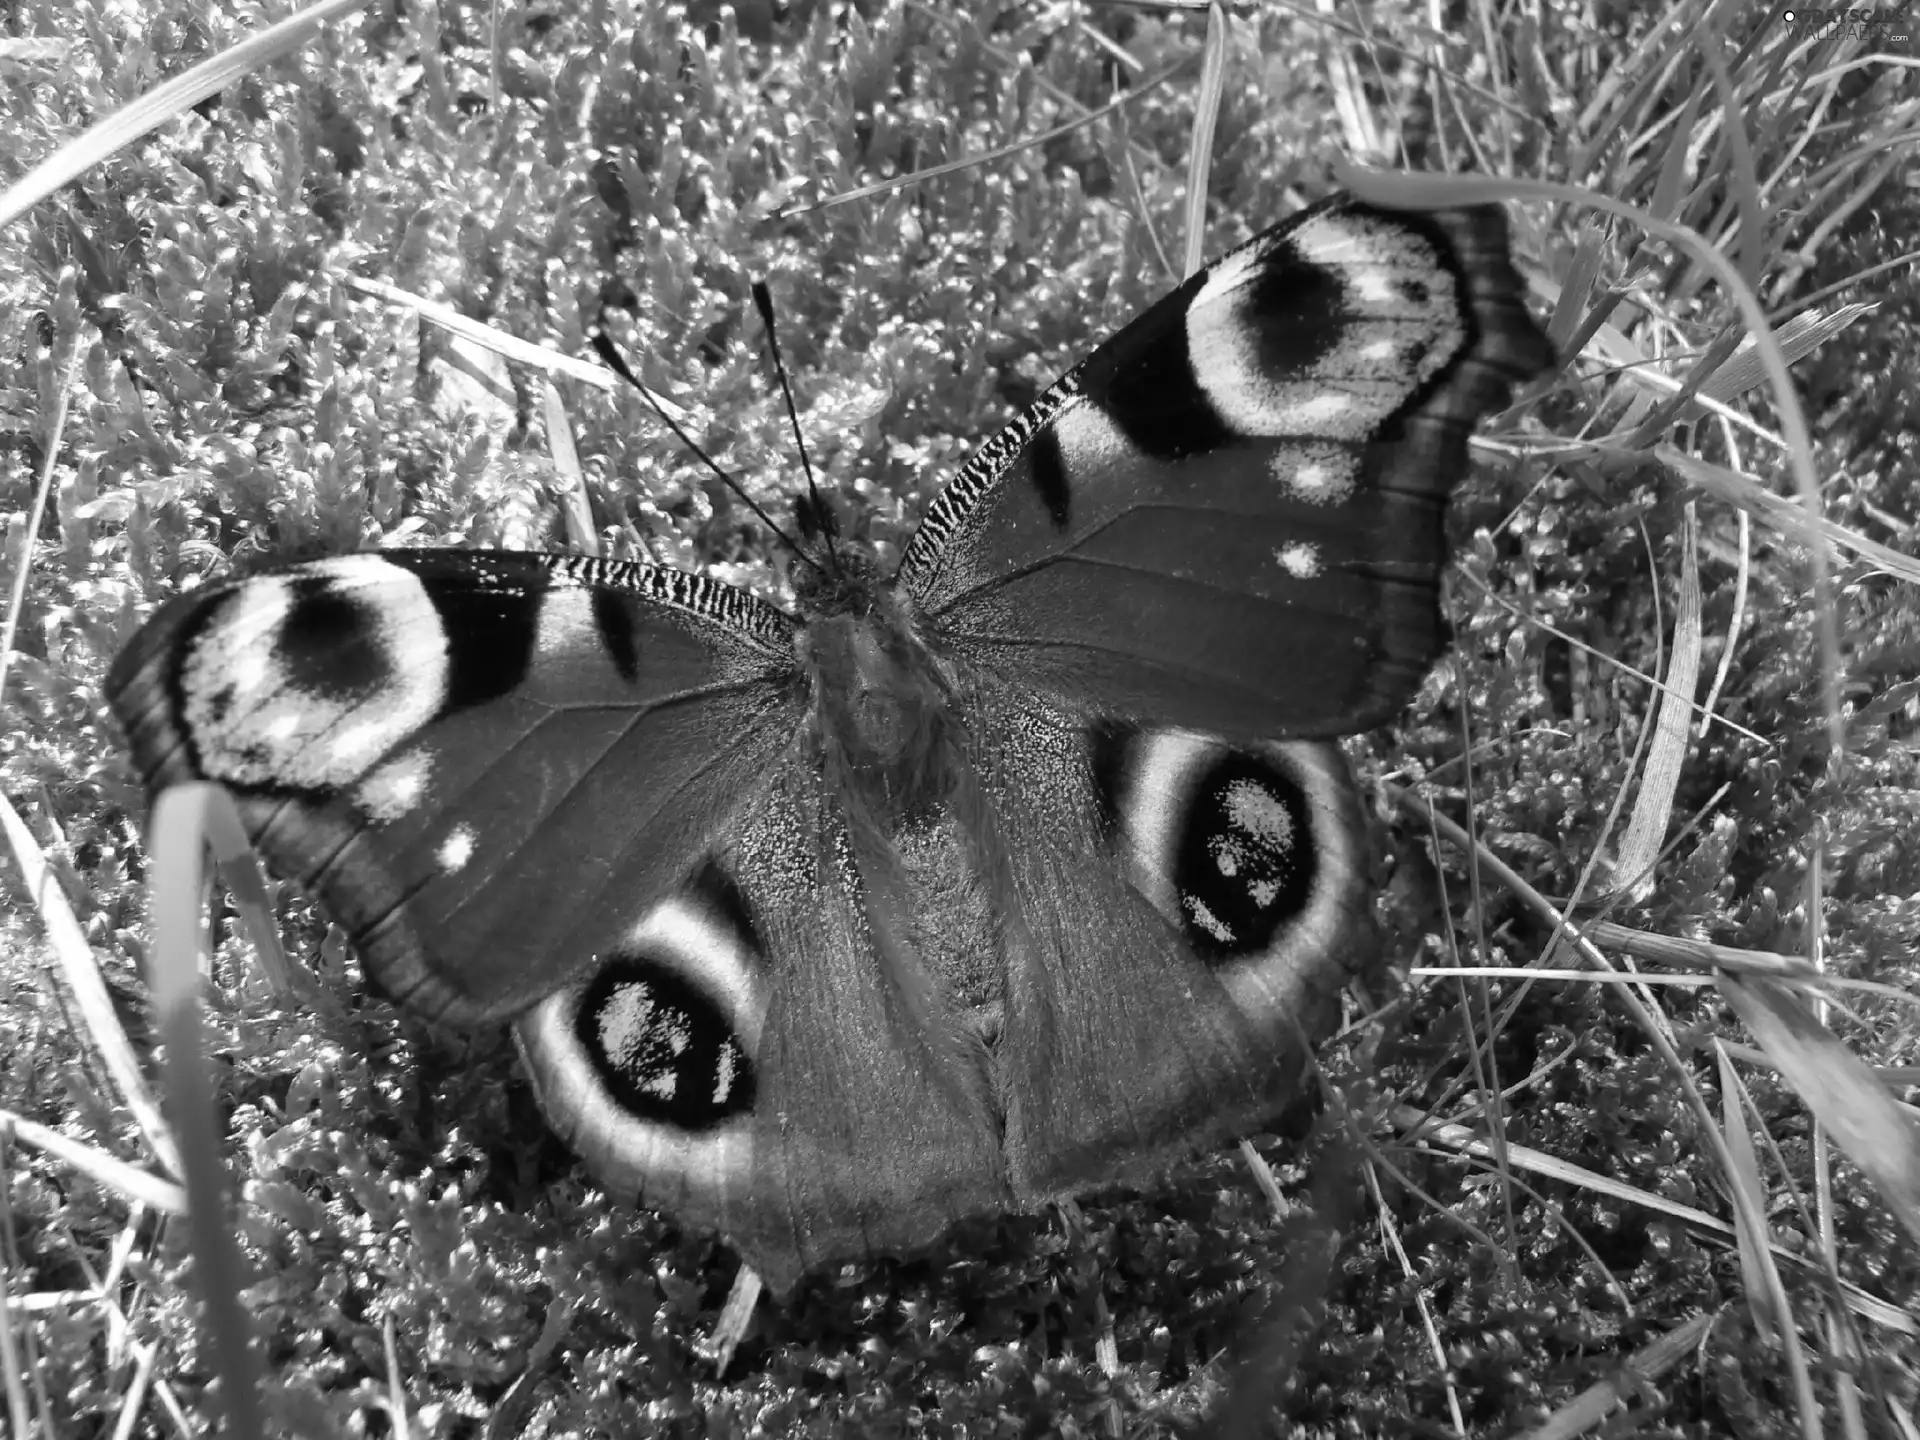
847,1108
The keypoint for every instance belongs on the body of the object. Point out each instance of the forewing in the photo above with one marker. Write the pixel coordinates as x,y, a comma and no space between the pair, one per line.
1230,516
484,765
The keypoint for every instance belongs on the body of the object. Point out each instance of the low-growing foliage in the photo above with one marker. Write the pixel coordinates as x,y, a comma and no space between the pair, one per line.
234,395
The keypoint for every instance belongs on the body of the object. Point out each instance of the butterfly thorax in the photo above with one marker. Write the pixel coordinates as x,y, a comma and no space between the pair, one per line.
882,714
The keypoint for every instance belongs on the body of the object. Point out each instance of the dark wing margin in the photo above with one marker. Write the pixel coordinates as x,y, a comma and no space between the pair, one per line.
485,765
1230,516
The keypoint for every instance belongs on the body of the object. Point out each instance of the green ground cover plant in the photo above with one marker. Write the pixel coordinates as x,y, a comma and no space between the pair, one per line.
1535,1194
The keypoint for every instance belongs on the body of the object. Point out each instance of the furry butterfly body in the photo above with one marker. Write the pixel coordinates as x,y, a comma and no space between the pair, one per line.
1024,870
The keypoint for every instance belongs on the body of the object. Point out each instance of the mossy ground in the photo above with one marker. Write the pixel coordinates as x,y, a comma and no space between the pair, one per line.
234,396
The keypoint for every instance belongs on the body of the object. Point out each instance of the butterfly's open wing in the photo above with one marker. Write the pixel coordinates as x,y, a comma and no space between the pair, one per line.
1179,917
771,1055
487,766
1230,515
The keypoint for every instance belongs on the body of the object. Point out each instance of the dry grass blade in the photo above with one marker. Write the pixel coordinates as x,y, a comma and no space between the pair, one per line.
1635,436
11,1368
1264,1177
1647,826
1841,1090
163,103
1591,1406
109,1172
82,974
731,1328
1542,972
179,829
1759,1280
1660,686
570,481
1417,1125
1206,117
1797,338
508,347
226,838
1390,1232
397,1414
134,1402
1743,575
1742,175
987,157
1787,517
36,512
1576,287
1704,956
1270,1355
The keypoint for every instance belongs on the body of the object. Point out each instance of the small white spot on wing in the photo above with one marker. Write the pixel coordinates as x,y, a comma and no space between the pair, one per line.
456,850
1206,920
726,1073
1315,474
1299,559
1258,812
397,787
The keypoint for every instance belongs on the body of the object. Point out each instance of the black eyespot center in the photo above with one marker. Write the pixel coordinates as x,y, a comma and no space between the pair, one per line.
1245,864
665,1049
325,645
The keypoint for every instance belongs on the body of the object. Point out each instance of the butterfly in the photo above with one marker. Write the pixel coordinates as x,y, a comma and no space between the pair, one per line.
1025,869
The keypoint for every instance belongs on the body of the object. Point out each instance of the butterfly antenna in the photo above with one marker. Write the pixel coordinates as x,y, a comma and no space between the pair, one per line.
610,357
763,302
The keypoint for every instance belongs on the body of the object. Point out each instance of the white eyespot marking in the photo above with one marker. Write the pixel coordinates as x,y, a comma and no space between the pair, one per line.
1374,287
284,728
306,680
1362,245
456,850
1261,817
1088,440
651,1158
687,938
1259,842
1232,272
396,788
1300,560
640,1037
1323,412
1154,809
1391,320
1206,920
1315,474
